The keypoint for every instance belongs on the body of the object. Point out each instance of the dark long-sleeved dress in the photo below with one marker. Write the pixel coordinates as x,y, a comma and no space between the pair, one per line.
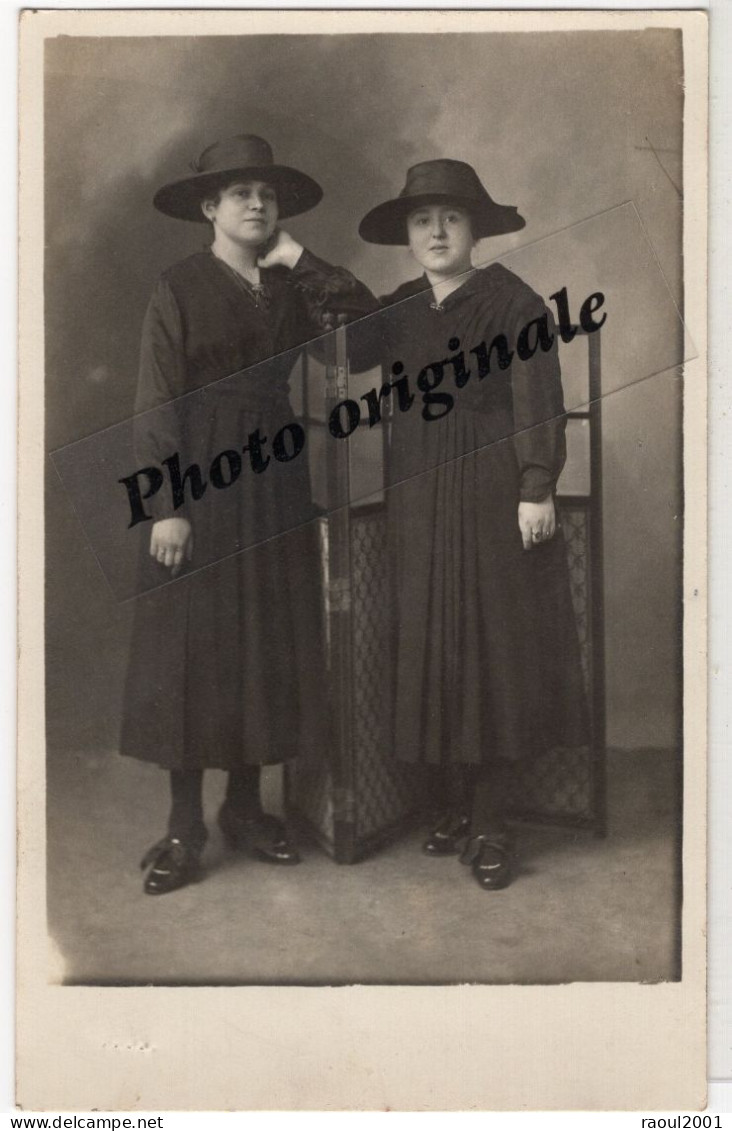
226,662
487,657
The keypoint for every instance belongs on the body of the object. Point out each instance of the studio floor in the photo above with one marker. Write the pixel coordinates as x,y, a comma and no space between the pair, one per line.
581,908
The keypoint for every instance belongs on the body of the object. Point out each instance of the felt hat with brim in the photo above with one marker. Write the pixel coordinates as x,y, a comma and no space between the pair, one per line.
439,182
245,156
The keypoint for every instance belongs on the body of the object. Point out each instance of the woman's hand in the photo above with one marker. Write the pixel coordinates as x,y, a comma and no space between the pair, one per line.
537,522
171,543
281,250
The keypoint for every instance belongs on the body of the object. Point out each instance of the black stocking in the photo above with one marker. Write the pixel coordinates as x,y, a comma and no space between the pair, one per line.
186,812
490,800
451,789
242,791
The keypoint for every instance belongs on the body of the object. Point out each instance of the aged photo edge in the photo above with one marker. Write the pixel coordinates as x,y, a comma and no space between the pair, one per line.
651,1054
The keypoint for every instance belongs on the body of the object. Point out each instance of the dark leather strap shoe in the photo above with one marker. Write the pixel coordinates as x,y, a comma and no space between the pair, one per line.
262,835
491,860
172,864
444,839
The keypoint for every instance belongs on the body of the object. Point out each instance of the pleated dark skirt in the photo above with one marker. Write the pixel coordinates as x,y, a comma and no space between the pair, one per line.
487,662
227,663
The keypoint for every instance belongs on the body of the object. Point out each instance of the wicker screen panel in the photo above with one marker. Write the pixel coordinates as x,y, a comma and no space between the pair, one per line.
560,786
311,797
309,784
355,798
385,788
576,528
557,786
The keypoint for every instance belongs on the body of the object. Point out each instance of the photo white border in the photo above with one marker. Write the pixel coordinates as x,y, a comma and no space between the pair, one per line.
648,1039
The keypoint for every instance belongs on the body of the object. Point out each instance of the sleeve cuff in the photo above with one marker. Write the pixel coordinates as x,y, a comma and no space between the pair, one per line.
536,485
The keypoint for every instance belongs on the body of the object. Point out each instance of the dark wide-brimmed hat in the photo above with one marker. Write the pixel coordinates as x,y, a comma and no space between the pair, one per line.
245,156
437,182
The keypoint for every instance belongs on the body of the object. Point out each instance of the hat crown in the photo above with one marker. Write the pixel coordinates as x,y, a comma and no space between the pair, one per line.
233,158
443,177
444,181
239,152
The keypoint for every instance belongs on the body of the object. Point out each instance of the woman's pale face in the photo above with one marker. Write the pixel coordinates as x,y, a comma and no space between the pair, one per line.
245,213
441,239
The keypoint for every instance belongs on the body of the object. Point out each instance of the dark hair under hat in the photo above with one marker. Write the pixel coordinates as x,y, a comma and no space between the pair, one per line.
245,155
441,181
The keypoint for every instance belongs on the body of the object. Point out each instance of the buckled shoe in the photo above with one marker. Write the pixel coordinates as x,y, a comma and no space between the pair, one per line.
491,859
445,837
172,864
262,835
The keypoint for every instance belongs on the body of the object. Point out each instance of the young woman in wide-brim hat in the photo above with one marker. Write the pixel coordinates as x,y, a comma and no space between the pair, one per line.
487,669
226,667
